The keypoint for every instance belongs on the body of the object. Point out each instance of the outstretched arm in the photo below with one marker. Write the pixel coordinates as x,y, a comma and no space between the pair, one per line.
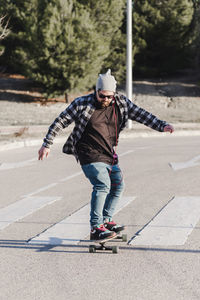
62,121
142,116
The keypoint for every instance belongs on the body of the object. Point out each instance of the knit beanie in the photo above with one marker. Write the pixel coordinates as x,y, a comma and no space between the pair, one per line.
106,82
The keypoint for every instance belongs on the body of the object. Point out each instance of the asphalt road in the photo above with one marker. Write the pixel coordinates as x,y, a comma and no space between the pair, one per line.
37,195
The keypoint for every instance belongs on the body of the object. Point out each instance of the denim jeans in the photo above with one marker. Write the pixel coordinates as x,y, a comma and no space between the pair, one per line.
108,185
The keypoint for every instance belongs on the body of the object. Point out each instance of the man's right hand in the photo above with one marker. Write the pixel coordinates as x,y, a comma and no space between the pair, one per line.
43,152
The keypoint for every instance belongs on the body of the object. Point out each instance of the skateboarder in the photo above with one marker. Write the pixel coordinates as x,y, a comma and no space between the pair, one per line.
99,118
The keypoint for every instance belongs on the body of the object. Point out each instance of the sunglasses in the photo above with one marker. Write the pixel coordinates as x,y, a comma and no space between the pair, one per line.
104,96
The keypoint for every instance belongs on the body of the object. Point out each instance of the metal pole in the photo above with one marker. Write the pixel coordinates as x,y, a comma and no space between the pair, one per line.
129,54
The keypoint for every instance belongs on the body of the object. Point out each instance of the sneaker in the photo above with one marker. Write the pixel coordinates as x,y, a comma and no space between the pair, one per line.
112,226
101,233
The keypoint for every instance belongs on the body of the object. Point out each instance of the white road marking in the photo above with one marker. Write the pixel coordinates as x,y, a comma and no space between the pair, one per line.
42,189
127,152
23,208
172,225
29,204
46,187
133,150
73,228
30,162
20,164
187,164
71,176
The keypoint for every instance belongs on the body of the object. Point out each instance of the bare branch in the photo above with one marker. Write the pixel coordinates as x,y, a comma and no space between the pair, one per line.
4,31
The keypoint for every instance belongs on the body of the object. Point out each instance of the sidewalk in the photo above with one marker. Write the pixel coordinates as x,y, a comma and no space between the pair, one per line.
13,137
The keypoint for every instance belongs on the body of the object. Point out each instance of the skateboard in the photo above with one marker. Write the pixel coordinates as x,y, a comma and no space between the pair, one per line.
103,246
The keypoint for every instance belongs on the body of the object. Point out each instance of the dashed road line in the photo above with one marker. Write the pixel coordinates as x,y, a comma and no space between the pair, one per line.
20,164
49,186
187,164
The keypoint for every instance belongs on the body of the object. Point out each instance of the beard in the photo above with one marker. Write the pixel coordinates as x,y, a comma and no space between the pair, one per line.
103,104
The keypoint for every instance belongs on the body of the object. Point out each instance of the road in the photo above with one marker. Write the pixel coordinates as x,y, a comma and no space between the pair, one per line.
44,225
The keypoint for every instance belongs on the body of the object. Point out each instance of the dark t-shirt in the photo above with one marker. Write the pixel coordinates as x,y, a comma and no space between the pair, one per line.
100,136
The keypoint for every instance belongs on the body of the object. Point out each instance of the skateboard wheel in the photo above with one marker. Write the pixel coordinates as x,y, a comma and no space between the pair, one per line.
124,237
92,249
114,249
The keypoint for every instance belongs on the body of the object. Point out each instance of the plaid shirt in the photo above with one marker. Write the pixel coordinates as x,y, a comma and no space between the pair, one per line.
81,110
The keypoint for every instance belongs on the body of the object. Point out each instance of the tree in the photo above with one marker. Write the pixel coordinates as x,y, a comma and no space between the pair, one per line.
165,36
196,43
113,29
116,60
62,43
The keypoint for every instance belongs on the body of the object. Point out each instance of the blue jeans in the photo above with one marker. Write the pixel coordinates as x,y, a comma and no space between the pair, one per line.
108,185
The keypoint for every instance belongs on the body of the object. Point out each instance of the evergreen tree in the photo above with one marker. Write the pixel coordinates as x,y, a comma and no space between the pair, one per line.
196,27
116,60
165,36
113,29
62,43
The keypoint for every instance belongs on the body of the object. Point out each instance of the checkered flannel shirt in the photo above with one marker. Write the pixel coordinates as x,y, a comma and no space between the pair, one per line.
81,110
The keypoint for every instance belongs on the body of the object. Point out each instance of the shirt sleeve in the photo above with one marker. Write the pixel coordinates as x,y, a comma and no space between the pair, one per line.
62,121
142,116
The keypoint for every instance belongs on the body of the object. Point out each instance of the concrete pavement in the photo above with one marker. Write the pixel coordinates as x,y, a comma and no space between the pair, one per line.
140,272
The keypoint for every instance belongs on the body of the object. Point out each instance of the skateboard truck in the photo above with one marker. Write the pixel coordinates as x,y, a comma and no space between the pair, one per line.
102,246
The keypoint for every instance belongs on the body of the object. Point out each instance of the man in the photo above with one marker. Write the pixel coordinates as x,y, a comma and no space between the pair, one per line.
99,118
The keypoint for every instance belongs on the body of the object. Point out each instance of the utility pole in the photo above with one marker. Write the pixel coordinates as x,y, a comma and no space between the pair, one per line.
129,54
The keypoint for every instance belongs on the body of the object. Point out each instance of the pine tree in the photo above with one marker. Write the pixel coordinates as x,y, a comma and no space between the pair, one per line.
62,43
112,29
196,43
117,57
163,28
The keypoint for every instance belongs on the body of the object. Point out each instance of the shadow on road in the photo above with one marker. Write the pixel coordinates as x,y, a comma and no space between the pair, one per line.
77,249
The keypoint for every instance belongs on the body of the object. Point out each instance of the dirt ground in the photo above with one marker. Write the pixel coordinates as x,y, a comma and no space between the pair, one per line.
174,100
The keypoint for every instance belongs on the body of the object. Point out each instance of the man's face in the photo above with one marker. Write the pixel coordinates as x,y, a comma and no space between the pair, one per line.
104,97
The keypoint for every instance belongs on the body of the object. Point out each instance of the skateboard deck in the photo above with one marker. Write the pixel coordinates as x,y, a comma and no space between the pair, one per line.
102,244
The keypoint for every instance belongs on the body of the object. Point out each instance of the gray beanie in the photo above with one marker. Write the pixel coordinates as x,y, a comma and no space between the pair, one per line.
106,82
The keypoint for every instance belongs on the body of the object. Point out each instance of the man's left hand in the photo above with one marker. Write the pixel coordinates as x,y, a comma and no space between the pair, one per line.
169,128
